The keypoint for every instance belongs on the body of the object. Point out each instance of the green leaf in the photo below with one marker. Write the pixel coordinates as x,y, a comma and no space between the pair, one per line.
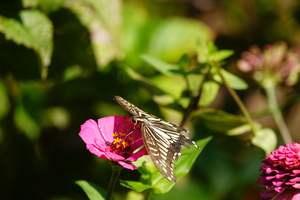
176,36
221,55
242,129
209,92
36,32
184,61
157,182
4,103
135,185
161,66
218,121
93,191
266,140
233,81
46,5
145,82
103,20
41,29
183,166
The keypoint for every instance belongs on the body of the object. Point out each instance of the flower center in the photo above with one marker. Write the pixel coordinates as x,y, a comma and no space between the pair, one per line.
121,144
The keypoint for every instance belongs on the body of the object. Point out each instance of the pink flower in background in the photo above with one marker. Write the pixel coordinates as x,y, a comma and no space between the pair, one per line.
281,173
276,61
110,139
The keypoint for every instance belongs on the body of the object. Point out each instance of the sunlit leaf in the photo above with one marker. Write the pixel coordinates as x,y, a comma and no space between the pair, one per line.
217,120
209,92
221,55
46,5
161,66
242,129
145,82
103,20
176,36
93,191
135,185
184,61
35,32
265,139
41,29
233,81
158,183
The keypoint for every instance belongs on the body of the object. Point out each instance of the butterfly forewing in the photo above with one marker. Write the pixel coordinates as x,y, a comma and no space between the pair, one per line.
161,138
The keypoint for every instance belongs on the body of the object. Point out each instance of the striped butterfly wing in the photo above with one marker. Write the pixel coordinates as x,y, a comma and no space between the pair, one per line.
161,139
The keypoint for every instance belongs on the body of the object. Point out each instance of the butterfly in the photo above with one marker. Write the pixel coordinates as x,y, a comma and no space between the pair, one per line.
161,139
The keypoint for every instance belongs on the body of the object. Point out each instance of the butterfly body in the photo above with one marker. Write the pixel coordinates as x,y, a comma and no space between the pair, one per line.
162,139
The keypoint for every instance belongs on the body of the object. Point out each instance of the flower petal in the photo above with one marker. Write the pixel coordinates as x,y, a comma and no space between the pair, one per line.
137,155
127,165
89,131
114,157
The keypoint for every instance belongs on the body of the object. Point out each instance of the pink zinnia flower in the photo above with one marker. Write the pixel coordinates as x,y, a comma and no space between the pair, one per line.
111,139
281,173
275,61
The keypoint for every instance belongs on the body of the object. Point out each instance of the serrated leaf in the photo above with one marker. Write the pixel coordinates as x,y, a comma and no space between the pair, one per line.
35,32
41,29
93,191
218,120
103,20
233,81
209,92
176,36
46,5
221,55
266,140
161,66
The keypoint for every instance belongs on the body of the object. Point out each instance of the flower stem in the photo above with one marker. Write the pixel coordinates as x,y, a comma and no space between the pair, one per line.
148,194
116,170
237,100
274,109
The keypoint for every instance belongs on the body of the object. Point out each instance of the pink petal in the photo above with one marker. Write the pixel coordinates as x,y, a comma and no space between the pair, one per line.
126,165
89,131
96,151
137,155
285,195
136,144
296,195
269,194
114,157
107,127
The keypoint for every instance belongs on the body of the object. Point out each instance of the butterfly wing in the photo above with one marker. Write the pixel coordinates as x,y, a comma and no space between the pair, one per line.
164,145
161,139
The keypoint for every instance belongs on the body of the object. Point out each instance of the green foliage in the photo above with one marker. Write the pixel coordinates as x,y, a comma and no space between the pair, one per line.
93,191
266,140
156,182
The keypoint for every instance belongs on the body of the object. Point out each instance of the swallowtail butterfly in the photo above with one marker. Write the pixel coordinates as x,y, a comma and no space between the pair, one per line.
161,139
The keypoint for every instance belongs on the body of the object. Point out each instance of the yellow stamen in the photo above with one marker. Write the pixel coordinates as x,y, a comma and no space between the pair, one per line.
125,144
117,140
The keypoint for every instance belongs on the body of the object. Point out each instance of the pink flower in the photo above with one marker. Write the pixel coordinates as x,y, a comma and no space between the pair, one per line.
281,173
111,139
276,61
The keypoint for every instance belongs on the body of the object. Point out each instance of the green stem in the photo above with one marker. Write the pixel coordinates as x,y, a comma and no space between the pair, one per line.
116,170
148,194
274,109
237,100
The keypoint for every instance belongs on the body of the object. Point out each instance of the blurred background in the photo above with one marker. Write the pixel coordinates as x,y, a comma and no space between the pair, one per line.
62,61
